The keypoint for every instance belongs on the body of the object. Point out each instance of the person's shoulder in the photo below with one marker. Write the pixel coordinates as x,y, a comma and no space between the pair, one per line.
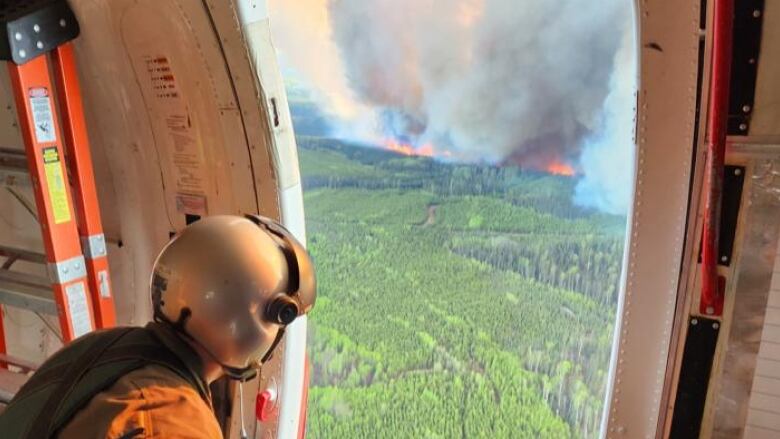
152,401
172,405
161,389
154,375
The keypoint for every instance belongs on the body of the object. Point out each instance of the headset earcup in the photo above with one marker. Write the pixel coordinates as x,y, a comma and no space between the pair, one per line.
283,310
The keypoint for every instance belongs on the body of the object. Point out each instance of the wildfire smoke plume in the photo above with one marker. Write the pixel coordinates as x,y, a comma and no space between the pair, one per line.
485,79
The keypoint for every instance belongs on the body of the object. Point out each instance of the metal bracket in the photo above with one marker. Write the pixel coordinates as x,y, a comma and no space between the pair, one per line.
67,270
733,183
94,246
694,377
748,20
32,28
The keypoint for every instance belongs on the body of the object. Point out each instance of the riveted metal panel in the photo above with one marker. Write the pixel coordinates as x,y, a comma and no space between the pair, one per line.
666,124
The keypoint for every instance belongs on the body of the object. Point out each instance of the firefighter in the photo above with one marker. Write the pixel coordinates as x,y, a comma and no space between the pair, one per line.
223,291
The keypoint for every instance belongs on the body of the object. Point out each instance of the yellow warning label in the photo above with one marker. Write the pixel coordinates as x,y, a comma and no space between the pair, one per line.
55,182
50,155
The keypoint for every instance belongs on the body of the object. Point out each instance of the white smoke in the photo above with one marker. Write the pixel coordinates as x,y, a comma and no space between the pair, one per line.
607,159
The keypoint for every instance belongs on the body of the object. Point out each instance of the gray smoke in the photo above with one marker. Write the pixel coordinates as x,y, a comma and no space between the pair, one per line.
500,79
507,81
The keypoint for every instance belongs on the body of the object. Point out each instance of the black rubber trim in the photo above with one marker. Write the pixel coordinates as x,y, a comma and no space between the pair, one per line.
700,345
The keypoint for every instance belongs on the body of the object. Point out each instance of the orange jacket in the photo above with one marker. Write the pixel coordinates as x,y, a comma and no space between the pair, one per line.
151,402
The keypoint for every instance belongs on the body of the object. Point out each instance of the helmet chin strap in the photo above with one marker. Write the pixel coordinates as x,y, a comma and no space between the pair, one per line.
244,374
241,374
271,349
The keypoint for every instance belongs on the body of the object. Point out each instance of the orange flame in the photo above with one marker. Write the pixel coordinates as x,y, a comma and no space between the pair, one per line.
425,150
558,168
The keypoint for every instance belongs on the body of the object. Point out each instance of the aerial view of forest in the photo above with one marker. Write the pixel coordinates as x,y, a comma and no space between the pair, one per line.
456,300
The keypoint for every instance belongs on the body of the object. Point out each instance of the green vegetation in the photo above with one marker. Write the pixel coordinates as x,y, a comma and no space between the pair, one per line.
454,300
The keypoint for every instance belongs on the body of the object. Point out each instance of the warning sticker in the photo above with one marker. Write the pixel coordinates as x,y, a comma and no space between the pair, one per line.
105,290
184,163
42,115
80,319
55,182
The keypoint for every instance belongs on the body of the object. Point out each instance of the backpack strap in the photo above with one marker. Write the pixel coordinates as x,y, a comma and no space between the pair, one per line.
42,426
152,354
127,348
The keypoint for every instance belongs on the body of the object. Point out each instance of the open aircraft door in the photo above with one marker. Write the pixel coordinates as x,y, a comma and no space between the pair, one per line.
187,117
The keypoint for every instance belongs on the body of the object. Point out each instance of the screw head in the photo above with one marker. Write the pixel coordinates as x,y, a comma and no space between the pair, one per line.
22,53
694,322
737,171
752,61
724,258
746,108
39,44
18,36
63,23
743,126
715,325
36,28
756,13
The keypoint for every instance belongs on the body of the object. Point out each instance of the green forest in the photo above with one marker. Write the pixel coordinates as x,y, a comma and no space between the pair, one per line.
455,300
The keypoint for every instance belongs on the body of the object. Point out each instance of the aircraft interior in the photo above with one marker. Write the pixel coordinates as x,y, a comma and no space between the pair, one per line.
143,116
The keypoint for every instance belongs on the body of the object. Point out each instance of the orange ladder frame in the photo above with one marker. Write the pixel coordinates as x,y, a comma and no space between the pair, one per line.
89,225
69,217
